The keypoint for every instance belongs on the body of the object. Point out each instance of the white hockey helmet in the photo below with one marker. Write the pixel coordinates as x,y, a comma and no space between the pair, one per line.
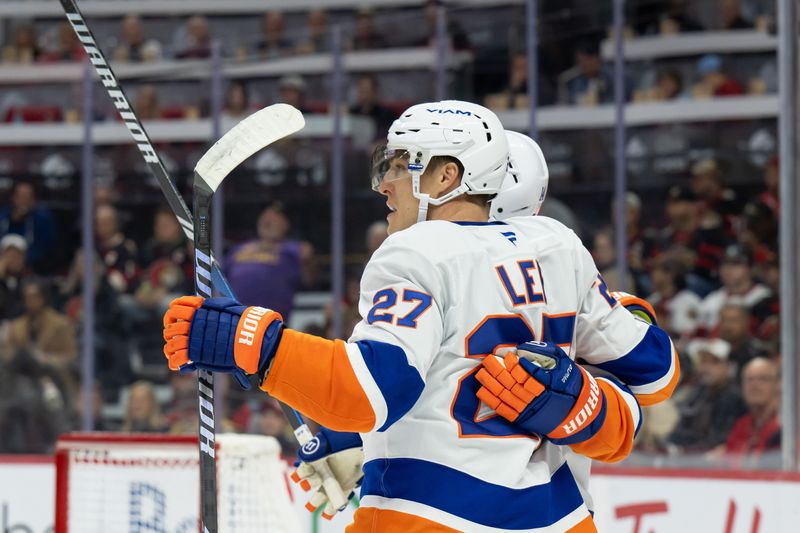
468,132
525,183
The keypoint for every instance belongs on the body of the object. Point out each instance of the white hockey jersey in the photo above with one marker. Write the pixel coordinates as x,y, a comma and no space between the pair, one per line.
436,299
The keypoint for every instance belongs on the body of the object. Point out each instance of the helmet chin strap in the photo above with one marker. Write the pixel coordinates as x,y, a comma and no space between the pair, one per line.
424,201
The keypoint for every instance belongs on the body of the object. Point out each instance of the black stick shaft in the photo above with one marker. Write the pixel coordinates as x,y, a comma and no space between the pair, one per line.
205,379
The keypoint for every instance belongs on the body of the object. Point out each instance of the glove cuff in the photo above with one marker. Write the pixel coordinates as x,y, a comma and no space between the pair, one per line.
586,417
272,338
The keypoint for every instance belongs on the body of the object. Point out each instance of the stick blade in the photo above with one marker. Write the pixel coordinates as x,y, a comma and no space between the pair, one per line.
254,133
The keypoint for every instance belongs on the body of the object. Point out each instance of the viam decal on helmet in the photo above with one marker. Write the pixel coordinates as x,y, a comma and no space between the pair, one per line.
414,166
452,111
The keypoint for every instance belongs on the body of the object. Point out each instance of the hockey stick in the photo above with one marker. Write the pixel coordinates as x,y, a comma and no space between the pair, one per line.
205,380
178,206
242,141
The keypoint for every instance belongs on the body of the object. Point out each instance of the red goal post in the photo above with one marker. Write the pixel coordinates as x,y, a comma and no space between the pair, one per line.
150,483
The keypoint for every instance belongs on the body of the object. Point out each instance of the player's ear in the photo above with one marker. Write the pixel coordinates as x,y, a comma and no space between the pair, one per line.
449,177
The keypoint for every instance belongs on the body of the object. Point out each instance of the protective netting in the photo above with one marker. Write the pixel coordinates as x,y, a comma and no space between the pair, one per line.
151,484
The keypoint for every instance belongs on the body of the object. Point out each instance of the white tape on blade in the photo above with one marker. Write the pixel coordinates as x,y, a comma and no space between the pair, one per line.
246,138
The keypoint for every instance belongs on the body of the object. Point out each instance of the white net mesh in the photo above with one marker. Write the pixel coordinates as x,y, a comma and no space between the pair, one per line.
151,484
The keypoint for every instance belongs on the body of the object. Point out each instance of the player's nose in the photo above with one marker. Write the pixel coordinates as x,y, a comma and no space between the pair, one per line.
385,187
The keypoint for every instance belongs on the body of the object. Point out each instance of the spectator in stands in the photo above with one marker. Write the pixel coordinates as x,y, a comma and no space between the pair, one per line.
515,95
69,46
731,14
32,405
25,216
365,36
709,411
146,104
317,39
368,104
168,264
738,286
735,323
697,248
718,204
458,37
274,42
588,83
669,85
759,232
270,421
269,270
41,330
713,81
758,432
292,91
25,48
111,329
676,306
12,271
666,17
167,242
236,102
199,39
143,414
134,48
677,19
118,253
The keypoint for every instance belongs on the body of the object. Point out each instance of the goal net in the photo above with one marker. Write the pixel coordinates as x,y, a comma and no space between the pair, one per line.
150,483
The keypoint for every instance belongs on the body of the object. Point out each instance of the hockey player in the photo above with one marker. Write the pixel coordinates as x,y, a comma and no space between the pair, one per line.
522,192
444,292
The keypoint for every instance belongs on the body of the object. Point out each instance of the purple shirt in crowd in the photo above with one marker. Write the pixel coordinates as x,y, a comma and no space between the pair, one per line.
265,278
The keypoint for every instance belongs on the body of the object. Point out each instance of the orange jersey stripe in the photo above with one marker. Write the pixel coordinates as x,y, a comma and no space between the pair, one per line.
614,441
584,526
659,396
372,520
314,376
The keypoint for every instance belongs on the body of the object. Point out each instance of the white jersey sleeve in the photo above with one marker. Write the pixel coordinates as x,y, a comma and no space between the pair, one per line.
610,338
393,346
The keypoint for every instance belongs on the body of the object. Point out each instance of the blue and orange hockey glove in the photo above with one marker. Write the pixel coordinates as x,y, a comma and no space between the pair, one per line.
344,455
639,307
220,335
540,389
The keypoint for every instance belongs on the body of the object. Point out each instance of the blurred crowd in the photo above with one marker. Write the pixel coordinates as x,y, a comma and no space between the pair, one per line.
710,270
702,248
573,71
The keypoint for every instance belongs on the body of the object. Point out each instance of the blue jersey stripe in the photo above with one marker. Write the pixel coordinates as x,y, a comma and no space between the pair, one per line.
399,382
558,329
465,496
647,362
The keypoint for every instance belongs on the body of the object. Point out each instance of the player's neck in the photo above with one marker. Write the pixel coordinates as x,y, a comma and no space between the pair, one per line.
459,210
